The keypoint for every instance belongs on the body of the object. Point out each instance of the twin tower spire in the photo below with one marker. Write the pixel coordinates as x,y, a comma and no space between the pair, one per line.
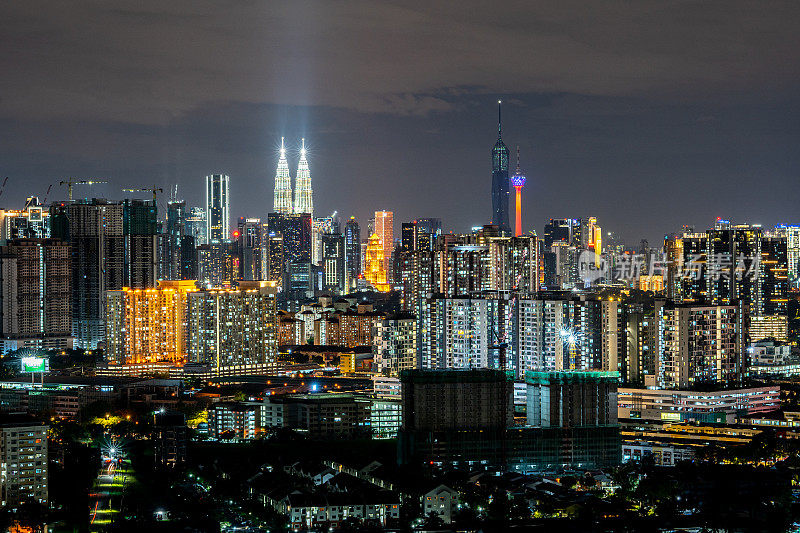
303,195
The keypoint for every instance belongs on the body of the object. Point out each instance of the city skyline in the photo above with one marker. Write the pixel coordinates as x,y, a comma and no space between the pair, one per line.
600,122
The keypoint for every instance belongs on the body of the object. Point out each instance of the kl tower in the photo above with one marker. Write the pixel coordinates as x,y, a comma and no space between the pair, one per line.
518,181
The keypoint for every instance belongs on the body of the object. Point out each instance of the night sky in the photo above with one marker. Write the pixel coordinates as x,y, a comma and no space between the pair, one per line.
645,114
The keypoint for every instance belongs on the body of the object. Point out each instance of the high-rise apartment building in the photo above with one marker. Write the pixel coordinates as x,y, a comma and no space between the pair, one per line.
701,344
217,264
35,295
792,235
730,263
395,344
217,208
235,328
23,454
148,325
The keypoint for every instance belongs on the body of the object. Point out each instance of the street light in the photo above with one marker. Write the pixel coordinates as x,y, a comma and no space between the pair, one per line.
570,337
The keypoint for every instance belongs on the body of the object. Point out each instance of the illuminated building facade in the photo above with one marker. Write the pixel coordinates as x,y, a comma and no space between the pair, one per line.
701,344
792,235
148,325
234,328
217,207
282,202
654,283
356,327
384,229
217,264
333,263
769,327
33,222
23,454
395,344
731,263
274,257
303,194
375,273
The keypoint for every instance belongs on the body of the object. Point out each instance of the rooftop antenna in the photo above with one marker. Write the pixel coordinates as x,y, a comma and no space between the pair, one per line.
499,118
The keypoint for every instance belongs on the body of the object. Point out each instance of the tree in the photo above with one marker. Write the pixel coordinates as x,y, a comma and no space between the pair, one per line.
433,520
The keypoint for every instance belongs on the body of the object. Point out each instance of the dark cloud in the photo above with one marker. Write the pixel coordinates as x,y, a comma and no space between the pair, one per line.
647,114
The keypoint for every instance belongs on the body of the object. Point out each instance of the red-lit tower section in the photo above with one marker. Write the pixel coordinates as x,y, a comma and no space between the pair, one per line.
518,181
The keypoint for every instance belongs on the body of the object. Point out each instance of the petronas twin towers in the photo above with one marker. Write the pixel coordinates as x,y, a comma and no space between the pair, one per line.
303,195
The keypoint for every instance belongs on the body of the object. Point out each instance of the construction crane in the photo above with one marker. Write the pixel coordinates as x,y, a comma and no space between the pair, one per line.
44,203
69,182
3,187
154,190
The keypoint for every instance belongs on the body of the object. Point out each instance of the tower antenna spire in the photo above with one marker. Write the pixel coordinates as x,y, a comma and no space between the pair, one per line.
518,159
499,118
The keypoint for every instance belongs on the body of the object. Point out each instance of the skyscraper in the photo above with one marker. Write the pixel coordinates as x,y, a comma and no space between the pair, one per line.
170,256
352,252
249,248
196,225
374,271
384,229
283,185
303,197
217,207
178,258
333,255
500,182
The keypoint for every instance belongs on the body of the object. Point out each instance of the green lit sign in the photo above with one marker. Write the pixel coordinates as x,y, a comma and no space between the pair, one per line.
34,364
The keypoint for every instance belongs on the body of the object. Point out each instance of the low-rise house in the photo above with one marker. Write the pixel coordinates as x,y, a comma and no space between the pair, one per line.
441,500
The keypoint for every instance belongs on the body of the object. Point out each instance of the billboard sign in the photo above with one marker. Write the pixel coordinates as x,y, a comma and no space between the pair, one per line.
30,364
